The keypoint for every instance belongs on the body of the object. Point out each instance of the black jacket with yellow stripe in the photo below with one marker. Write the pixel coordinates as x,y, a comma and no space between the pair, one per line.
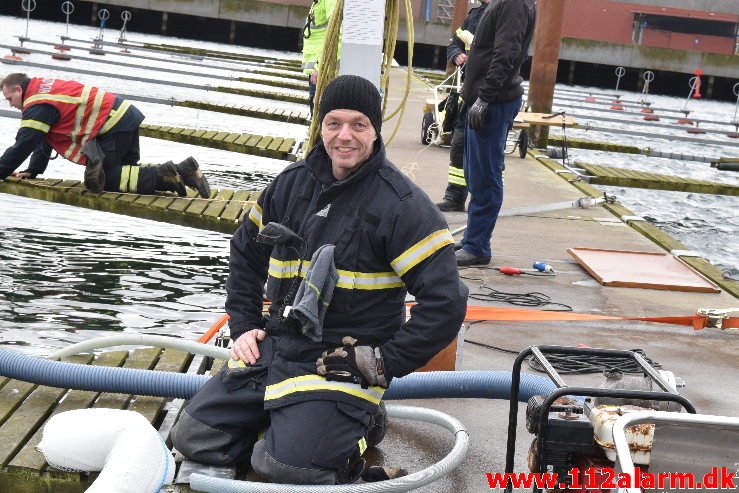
390,239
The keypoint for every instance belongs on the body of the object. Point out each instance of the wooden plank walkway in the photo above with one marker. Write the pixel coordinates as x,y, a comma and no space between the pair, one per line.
621,177
222,212
256,145
287,116
25,408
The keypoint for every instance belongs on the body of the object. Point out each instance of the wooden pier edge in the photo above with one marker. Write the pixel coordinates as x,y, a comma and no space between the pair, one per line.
648,230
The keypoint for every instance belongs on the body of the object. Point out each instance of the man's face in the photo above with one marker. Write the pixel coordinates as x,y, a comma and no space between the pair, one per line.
14,96
349,139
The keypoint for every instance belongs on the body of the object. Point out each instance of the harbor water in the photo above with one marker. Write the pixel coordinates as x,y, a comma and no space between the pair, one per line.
69,274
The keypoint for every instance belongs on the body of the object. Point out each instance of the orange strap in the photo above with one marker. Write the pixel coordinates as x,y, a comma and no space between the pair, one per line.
485,313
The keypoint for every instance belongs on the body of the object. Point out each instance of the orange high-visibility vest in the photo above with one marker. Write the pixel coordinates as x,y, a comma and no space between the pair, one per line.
85,112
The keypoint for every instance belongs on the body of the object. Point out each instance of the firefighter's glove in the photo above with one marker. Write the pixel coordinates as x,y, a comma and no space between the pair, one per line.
361,365
476,116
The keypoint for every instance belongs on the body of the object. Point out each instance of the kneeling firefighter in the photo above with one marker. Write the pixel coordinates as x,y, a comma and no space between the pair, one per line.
91,127
301,398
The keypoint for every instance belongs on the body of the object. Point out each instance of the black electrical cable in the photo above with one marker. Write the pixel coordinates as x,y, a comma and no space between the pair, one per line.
518,299
579,363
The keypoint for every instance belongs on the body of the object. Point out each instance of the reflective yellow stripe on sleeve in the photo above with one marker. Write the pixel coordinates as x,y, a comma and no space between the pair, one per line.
35,124
255,216
283,269
310,383
362,444
421,250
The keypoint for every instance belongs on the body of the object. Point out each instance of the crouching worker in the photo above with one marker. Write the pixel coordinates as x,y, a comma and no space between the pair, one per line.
91,127
340,238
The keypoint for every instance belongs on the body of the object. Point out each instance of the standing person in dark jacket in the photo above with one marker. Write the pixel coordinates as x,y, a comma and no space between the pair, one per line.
455,194
493,93
314,370
91,127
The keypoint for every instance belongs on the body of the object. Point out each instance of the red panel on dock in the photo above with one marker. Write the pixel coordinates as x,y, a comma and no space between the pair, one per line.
641,270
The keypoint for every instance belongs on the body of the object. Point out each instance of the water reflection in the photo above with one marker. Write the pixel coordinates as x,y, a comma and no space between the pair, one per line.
101,272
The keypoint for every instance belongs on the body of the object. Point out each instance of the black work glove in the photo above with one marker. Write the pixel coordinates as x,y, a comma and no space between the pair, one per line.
361,365
476,115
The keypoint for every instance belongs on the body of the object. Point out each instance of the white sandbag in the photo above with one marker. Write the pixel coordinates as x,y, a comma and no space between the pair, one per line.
122,444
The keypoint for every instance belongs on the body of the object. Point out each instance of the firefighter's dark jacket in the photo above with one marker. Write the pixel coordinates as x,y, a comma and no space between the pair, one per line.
499,48
390,239
470,23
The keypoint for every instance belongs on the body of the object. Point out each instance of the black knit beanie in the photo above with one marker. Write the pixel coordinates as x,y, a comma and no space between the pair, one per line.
351,92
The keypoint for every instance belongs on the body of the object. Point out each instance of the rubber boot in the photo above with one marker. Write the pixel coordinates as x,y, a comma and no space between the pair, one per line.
193,177
379,427
169,180
454,198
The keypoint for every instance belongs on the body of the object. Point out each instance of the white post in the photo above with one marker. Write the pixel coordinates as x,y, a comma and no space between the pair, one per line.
361,43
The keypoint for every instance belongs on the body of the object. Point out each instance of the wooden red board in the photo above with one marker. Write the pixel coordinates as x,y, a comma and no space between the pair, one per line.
641,270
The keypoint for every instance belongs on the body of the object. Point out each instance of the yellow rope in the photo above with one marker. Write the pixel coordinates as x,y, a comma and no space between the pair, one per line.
328,67
409,73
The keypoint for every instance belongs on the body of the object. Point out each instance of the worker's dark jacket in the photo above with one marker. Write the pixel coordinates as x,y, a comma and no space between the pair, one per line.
389,239
456,46
498,50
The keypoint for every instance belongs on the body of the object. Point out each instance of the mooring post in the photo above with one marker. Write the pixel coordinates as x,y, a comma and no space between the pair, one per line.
547,40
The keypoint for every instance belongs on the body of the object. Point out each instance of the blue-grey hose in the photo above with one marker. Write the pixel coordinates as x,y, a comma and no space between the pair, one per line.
488,384
144,340
413,481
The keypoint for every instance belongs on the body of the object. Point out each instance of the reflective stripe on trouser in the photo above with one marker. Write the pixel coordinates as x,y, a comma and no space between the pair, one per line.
483,167
456,176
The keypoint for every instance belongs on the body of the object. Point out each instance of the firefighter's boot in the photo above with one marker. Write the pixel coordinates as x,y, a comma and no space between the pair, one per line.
169,180
193,177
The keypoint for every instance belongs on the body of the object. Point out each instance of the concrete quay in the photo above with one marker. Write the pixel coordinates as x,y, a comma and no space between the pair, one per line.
705,359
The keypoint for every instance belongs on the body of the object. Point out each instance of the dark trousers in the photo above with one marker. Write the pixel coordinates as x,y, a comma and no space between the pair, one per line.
309,441
122,150
455,190
311,94
484,151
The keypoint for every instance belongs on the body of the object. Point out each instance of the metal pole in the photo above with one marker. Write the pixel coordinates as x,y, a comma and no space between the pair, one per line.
547,40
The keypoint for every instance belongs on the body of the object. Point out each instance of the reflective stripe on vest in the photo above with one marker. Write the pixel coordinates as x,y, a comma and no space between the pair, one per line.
421,250
83,110
311,383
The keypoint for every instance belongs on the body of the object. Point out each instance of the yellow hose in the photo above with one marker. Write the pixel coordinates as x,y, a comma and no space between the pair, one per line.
328,69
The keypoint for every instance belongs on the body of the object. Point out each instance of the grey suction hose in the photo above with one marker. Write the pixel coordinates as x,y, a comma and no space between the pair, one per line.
413,481
143,340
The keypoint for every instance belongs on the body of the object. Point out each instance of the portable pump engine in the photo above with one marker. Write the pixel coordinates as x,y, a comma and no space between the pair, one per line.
572,425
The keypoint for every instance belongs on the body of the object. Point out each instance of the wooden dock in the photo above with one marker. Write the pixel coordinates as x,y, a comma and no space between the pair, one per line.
256,145
25,408
222,212
621,177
